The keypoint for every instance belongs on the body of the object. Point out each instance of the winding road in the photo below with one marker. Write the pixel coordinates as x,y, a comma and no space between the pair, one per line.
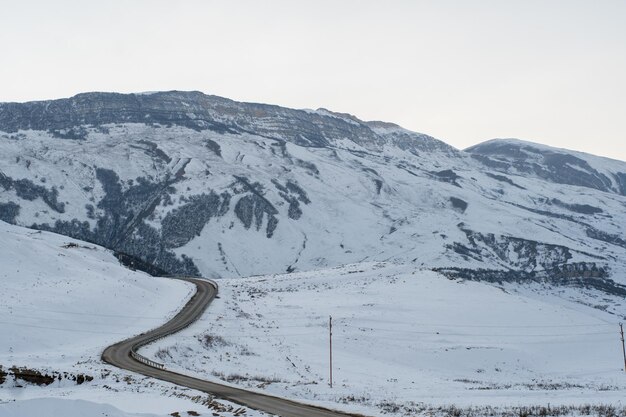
123,355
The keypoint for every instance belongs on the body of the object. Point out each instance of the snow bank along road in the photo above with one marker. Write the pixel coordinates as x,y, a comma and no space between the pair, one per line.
120,355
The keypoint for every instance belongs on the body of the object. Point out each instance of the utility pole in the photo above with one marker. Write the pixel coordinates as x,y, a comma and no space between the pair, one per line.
330,339
621,331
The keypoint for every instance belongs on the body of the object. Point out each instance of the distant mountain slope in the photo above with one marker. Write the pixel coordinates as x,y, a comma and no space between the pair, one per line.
555,165
198,184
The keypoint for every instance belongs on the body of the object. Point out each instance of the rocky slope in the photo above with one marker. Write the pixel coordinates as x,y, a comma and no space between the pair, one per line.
196,184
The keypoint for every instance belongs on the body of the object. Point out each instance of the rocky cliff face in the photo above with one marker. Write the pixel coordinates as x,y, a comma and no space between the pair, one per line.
68,118
196,184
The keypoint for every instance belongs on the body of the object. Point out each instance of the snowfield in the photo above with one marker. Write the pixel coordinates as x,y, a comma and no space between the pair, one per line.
62,302
402,337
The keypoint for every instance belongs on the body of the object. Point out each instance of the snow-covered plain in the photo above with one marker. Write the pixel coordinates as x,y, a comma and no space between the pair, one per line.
60,306
403,337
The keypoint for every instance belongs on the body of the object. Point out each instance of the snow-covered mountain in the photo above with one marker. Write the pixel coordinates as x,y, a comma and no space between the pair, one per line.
198,184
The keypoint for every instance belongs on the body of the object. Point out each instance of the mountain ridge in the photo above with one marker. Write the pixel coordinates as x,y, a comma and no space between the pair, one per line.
7,107
192,109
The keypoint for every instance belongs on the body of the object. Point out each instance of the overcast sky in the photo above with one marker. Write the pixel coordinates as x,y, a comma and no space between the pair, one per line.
549,71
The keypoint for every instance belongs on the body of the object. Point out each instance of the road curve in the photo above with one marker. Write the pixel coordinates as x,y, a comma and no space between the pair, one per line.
119,355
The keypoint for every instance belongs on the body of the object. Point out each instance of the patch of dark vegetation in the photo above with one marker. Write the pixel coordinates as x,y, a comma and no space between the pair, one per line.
282,148
187,221
82,378
30,191
136,264
422,409
520,253
294,211
545,212
152,150
295,188
147,244
577,208
535,385
211,341
620,178
463,250
32,376
213,147
281,188
121,226
73,245
458,204
371,171
309,166
588,275
235,378
447,175
72,133
378,184
9,212
605,237
292,194
90,211
502,178
253,207
404,166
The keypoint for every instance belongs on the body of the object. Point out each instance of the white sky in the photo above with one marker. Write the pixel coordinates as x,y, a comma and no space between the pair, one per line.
550,71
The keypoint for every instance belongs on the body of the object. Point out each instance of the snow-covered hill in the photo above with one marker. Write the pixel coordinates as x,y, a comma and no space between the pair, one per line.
62,301
198,184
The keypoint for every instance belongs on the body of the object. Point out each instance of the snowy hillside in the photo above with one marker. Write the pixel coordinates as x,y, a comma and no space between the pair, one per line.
202,185
404,341
62,302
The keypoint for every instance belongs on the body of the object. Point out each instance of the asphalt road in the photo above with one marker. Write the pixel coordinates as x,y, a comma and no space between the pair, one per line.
119,355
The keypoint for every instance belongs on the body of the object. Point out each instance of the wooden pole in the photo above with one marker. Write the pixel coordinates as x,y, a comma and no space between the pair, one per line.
330,339
621,331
